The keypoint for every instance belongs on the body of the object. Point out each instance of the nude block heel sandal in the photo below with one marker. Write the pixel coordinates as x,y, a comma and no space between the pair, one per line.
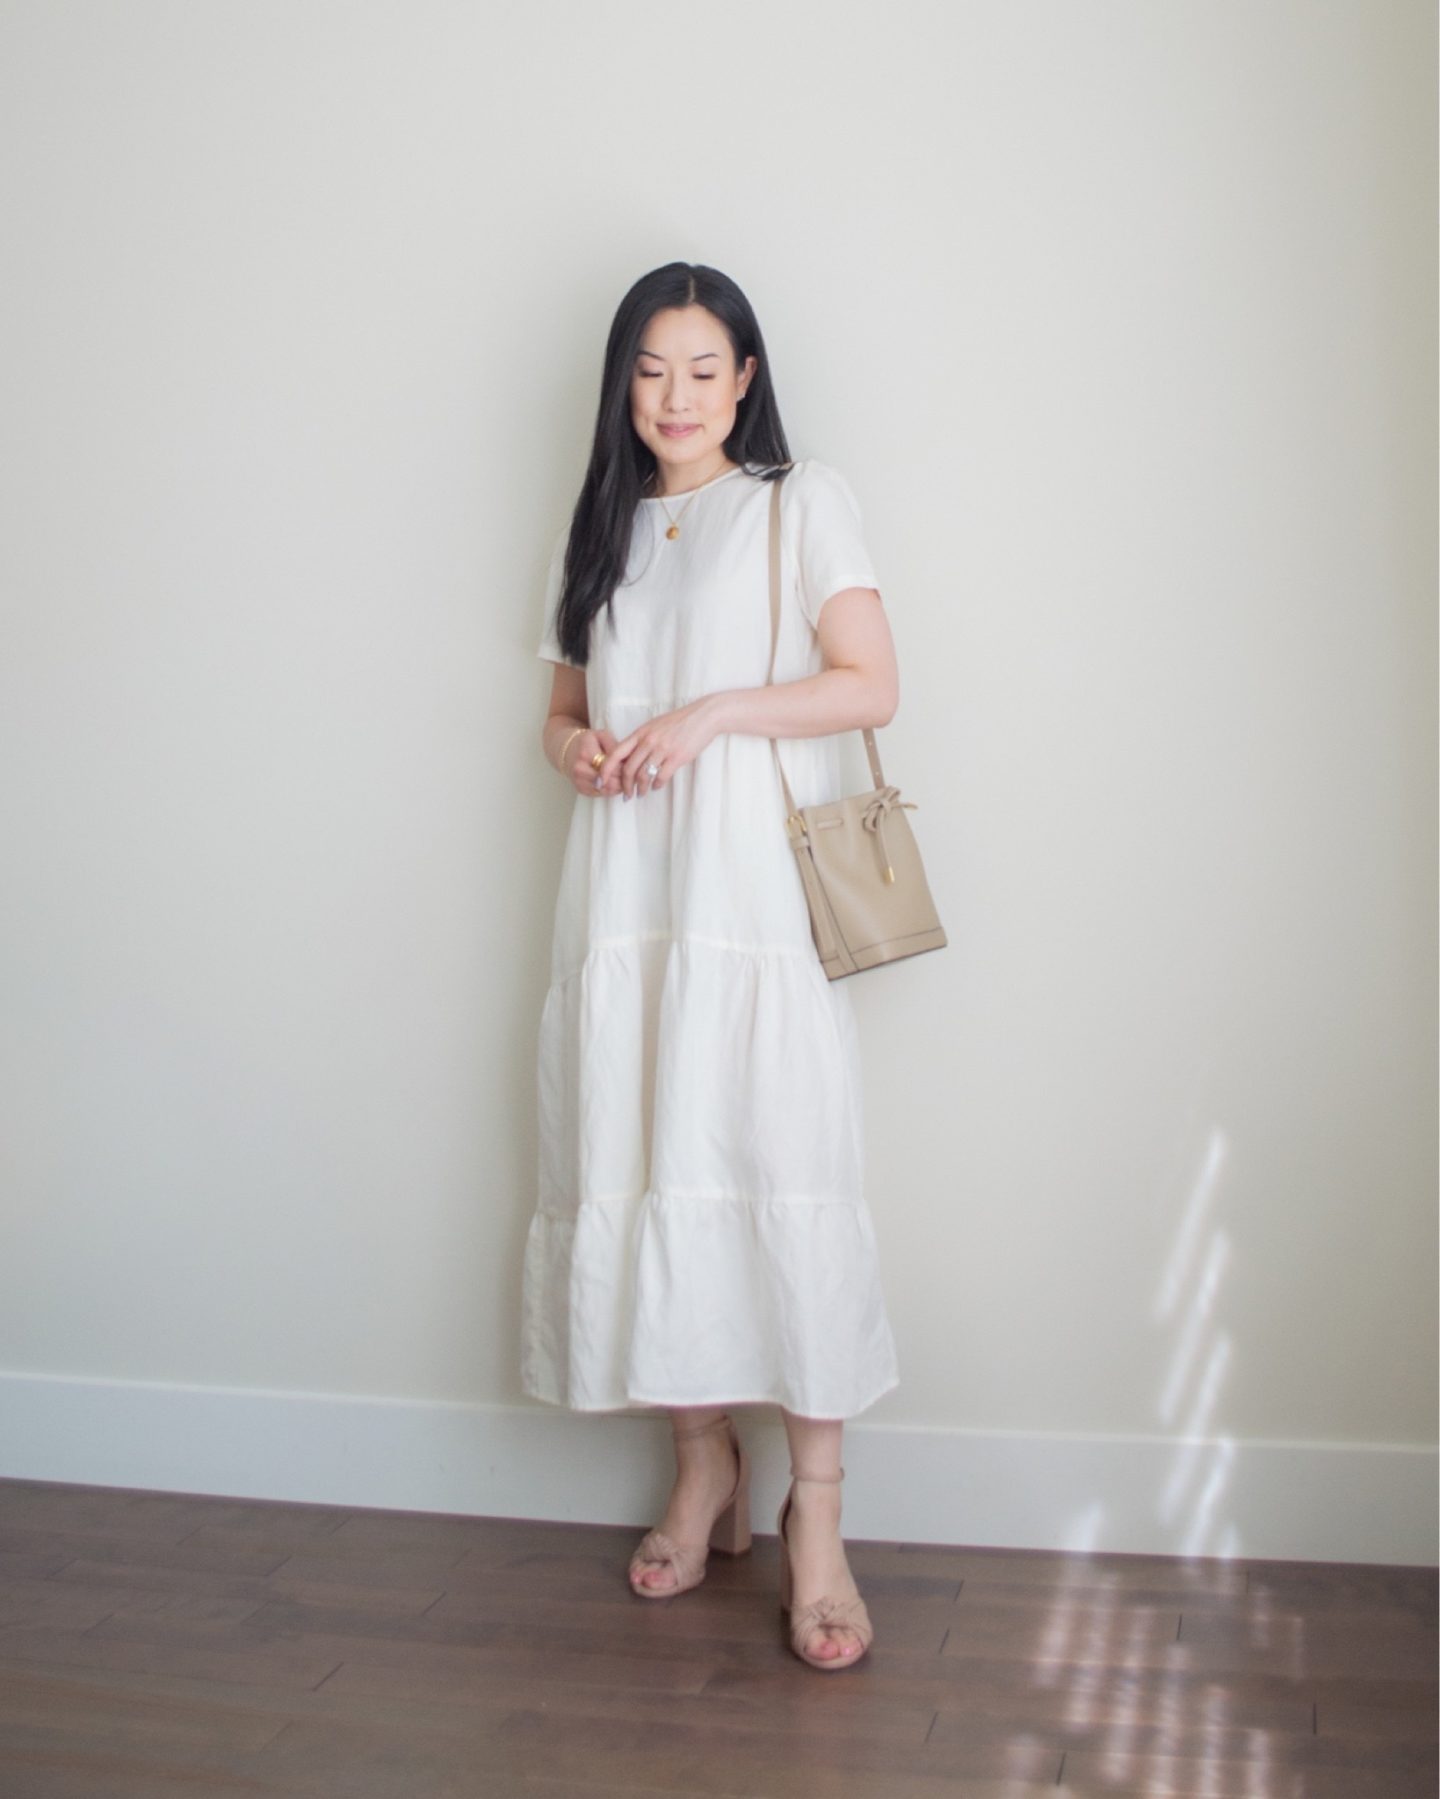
730,1533
849,1613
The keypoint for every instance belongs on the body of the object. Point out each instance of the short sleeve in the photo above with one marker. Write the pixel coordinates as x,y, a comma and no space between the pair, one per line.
827,535
549,642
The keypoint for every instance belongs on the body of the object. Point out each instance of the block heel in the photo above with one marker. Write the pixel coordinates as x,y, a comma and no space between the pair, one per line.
730,1533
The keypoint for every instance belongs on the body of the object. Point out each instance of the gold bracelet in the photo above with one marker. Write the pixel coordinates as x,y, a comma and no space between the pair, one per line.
578,731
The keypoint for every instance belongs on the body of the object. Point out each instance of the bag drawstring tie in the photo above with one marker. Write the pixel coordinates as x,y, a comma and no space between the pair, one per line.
885,800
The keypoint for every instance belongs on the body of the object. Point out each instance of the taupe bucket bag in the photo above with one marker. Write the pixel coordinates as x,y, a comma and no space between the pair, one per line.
859,863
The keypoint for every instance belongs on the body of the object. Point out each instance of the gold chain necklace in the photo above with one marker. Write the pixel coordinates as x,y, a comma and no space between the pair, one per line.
674,530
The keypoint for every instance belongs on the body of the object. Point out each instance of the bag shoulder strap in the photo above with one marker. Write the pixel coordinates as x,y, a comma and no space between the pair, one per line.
870,748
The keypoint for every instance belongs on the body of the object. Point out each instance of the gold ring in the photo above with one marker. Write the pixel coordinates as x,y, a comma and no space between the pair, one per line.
597,759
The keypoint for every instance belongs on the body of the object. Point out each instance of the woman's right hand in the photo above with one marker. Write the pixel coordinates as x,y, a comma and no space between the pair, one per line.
579,764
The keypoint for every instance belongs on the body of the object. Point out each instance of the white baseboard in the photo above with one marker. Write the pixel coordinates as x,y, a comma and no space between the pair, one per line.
1329,1502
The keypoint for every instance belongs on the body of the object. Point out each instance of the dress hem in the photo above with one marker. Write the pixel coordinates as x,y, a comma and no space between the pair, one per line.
641,1399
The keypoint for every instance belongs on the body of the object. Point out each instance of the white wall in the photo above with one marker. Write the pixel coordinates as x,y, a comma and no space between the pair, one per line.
1120,320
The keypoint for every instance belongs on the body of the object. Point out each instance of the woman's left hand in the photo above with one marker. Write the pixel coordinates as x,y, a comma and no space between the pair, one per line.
670,739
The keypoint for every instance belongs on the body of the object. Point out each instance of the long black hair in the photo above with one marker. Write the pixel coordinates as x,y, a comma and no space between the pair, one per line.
621,465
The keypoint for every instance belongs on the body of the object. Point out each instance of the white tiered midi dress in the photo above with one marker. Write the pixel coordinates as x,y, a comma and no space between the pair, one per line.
701,1234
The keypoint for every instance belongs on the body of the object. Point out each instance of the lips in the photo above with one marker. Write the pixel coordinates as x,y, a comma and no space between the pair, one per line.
678,430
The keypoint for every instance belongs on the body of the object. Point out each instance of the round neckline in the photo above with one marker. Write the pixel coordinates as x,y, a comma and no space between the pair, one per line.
656,499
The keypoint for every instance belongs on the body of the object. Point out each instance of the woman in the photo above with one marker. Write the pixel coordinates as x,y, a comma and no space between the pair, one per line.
702,1238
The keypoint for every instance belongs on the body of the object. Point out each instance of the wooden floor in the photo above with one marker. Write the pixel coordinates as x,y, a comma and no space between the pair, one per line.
162,1646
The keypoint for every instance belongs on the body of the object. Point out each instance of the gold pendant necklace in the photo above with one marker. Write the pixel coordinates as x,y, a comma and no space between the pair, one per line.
674,529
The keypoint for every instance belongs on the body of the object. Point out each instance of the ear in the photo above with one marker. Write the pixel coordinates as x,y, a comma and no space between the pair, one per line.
747,373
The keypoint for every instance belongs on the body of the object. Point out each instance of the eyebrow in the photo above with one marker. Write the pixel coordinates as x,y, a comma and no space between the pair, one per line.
659,358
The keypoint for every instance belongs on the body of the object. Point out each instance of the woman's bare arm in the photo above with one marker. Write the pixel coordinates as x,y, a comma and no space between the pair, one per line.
859,685
567,728
569,706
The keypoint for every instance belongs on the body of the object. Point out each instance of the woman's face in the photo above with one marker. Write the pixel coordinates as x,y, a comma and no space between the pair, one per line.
684,389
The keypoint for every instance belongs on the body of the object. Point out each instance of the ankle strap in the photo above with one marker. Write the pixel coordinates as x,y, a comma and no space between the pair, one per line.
831,1478
698,1430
